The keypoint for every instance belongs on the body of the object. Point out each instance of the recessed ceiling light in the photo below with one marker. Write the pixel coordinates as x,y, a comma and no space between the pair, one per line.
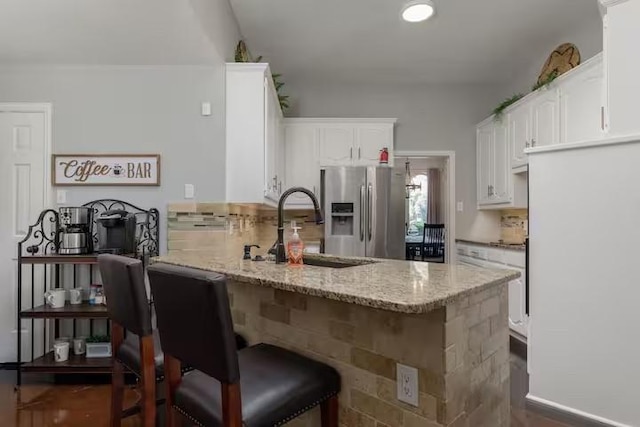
418,10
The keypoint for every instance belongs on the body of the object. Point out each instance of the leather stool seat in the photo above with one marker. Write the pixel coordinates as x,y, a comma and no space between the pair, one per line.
129,353
276,386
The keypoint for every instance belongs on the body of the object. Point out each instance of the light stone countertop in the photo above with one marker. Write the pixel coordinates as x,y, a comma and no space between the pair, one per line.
400,286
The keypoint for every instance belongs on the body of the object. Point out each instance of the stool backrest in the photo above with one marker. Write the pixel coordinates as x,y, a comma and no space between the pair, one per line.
194,319
127,302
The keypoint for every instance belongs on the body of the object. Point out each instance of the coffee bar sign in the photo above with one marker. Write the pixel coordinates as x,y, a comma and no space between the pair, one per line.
106,169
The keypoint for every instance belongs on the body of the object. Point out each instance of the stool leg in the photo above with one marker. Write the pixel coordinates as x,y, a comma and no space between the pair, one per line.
172,378
329,412
117,393
148,374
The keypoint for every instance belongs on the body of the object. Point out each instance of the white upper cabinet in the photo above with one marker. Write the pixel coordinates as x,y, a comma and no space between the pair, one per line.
519,126
336,145
581,105
498,187
545,126
303,169
254,148
370,140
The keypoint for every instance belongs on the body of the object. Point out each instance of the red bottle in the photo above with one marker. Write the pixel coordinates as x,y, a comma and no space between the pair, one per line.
384,156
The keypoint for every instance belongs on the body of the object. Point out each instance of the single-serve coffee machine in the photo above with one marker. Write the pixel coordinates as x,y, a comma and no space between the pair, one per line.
117,232
75,231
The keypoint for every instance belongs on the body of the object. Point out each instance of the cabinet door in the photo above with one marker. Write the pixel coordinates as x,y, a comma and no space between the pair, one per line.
370,140
270,144
484,166
336,145
499,190
302,162
581,106
545,126
518,121
281,161
517,300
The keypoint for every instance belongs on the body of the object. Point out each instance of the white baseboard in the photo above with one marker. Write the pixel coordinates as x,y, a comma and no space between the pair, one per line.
575,414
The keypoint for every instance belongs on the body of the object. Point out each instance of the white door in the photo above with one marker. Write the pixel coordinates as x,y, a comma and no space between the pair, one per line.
370,139
581,106
484,147
336,145
544,119
22,192
302,163
519,134
499,191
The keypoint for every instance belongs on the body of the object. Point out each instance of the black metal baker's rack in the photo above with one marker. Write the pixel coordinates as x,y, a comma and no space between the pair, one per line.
45,269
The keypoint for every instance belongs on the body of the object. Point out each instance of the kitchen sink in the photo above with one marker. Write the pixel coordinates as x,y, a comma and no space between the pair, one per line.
331,263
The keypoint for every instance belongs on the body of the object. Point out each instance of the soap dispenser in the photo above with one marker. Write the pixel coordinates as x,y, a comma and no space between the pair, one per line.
295,246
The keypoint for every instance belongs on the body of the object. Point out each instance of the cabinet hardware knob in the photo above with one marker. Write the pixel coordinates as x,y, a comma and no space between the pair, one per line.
351,153
533,142
359,156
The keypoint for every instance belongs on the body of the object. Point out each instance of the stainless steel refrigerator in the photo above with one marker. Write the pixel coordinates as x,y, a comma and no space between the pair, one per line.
364,211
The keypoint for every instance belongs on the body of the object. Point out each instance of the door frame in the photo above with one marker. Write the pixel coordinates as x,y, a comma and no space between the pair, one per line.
450,227
38,107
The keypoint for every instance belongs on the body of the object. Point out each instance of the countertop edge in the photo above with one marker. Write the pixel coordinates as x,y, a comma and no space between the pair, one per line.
517,248
362,301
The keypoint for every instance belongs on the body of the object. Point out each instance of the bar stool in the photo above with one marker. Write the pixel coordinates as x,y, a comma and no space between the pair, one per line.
261,385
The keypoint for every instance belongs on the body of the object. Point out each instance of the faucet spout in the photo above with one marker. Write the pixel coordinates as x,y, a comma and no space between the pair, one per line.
281,256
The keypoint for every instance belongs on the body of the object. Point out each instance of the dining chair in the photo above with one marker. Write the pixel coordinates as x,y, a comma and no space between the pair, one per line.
433,243
261,385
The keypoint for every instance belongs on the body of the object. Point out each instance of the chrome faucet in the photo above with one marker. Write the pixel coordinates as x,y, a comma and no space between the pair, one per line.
280,252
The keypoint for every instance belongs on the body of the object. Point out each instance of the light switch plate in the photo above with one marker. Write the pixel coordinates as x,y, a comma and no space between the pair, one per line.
189,191
61,197
206,109
407,381
459,206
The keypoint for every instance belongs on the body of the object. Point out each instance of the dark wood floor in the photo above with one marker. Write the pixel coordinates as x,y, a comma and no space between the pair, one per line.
44,405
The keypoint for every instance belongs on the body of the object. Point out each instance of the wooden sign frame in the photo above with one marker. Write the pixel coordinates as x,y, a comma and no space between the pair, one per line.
114,170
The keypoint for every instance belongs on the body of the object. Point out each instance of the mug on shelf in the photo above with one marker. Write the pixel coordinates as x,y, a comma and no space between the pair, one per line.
75,296
61,351
55,298
79,346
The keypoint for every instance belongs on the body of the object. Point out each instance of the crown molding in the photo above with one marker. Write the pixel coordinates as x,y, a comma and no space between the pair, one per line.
611,3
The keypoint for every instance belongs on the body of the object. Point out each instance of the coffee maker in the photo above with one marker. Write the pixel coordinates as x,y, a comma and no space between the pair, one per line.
117,232
75,231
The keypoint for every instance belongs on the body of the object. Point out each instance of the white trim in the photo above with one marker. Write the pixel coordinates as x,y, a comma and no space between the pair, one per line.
618,140
342,120
576,412
46,108
450,252
611,3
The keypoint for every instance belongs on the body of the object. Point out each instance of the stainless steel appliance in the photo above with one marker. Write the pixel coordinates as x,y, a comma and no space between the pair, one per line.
364,211
75,231
116,232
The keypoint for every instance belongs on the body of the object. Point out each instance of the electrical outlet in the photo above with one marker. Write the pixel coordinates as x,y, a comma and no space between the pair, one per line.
61,197
189,191
407,381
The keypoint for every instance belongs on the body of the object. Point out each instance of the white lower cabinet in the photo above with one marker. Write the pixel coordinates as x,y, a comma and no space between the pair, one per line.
480,256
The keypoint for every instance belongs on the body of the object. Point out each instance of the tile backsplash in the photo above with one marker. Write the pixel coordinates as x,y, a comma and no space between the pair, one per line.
210,225
514,224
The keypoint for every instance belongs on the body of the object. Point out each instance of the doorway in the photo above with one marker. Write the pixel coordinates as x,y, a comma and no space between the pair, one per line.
429,213
25,144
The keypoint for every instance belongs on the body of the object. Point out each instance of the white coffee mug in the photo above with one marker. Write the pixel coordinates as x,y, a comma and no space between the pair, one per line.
55,298
61,351
79,346
75,296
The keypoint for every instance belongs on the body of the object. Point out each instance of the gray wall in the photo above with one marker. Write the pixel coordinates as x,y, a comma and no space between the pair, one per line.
134,110
430,117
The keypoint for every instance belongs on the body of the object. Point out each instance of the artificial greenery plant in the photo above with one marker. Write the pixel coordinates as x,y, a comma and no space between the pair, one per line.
499,110
242,55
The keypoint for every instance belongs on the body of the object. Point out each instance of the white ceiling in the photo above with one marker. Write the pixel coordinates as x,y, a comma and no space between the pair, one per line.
469,41
115,32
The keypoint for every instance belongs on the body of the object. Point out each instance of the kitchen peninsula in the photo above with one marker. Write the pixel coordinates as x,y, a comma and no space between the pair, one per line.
365,316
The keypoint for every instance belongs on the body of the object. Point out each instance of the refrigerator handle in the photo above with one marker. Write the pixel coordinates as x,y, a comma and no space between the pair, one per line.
370,209
362,207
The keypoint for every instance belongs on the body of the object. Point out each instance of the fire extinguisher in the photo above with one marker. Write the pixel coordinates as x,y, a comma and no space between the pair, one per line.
384,156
